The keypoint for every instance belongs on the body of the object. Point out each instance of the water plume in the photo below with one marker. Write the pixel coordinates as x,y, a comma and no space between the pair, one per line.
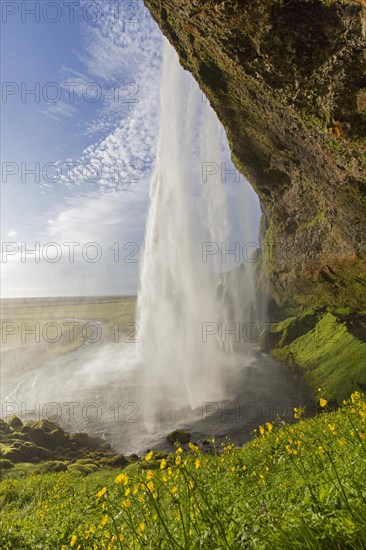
181,297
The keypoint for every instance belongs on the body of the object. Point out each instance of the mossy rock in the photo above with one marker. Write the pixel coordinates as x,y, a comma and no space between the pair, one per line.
85,461
117,461
85,440
5,464
133,458
83,469
25,451
52,466
4,427
14,421
179,436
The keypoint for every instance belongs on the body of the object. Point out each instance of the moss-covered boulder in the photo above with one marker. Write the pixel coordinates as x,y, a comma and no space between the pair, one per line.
179,436
6,464
4,427
52,467
14,422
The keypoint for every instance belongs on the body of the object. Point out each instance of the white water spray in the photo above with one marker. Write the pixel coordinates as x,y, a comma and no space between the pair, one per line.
182,303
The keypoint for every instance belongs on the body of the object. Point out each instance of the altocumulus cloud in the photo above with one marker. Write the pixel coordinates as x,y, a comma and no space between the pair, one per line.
111,211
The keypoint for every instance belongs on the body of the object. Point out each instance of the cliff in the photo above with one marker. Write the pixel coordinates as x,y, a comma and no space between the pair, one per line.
287,80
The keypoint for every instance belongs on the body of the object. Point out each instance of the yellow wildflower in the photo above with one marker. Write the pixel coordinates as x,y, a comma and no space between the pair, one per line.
163,464
127,492
197,463
122,478
174,490
149,475
149,456
193,447
321,449
150,485
269,426
323,402
103,521
126,503
261,430
73,540
102,492
178,460
142,527
356,396
179,450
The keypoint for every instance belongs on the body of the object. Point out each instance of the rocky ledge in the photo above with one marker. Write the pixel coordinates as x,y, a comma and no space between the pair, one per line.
287,80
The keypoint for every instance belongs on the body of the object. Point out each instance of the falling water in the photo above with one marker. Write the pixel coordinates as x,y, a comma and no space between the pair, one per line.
181,300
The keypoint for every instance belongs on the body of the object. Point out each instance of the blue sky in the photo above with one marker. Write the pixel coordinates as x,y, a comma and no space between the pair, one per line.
89,131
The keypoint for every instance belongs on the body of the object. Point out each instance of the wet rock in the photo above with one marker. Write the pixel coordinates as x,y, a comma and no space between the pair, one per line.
133,458
85,440
14,422
179,436
4,427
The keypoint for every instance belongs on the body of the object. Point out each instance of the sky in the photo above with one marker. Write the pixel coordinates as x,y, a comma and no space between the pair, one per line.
80,115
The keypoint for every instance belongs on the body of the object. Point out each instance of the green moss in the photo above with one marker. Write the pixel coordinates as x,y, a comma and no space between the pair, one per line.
319,218
329,354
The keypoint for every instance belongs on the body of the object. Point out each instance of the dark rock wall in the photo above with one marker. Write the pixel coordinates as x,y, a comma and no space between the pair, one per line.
287,78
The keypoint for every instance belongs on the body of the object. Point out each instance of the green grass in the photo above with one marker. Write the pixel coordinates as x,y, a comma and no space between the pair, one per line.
329,354
292,486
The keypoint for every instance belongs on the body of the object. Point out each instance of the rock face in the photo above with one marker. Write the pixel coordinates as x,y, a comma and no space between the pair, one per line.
287,80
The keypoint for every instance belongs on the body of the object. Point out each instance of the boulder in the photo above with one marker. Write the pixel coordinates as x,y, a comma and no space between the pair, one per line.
14,421
179,436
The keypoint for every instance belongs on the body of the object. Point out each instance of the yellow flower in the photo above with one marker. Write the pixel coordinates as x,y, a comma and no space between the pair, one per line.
323,402
342,442
127,492
149,456
179,450
103,521
92,528
126,503
155,495
73,540
197,463
321,449
122,478
142,527
135,489
332,427
163,464
149,475
244,468
102,492
261,430
178,460
150,485
269,426
356,396
193,447
190,484
174,490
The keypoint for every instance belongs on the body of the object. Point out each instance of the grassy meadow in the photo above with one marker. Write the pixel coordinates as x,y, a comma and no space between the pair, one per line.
291,486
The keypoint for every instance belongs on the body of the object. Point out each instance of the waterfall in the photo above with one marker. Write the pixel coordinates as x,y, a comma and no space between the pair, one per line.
183,301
